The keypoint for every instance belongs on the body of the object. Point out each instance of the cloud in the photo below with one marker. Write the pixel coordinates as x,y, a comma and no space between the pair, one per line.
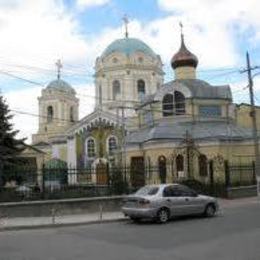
33,35
38,33
84,4
163,36
86,95
45,30
222,14
28,104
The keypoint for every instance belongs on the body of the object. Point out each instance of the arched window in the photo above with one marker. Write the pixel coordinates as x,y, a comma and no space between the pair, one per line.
116,89
203,165
141,88
71,114
162,168
91,148
179,101
180,165
49,114
167,105
112,145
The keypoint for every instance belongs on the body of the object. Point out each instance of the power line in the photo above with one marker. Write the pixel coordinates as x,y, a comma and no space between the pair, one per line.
20,78
85,72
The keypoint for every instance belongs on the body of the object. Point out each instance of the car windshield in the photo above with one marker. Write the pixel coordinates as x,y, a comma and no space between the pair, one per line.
147,190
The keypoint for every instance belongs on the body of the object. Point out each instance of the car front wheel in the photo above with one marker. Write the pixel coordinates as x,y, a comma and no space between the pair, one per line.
163,215
210,210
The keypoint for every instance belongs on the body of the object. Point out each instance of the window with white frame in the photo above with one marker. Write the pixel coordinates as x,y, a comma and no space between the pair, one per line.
116,89
91,148
71,114
167,105
112,144
49,114
210,110
141,88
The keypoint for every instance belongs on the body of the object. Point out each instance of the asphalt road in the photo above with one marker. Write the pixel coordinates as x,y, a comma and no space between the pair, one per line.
233,236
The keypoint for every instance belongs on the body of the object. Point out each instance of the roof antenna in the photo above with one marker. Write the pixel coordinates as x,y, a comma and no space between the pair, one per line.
126,22
59,66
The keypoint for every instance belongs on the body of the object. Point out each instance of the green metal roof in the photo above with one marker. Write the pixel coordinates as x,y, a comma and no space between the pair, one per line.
61,85
55,164
128,46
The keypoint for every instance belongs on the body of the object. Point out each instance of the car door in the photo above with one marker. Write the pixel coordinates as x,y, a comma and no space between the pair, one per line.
192,203
173,200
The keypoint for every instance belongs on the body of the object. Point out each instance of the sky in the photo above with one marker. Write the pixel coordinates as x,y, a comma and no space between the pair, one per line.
35,33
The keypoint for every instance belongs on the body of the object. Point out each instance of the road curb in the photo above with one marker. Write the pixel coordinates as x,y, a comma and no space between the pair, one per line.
60,225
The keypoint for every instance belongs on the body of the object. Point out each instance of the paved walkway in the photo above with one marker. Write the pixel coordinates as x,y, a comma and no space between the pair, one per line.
225,203
40,222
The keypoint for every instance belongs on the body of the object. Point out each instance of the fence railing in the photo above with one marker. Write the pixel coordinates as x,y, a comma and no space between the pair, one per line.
31,184
240,175
26,183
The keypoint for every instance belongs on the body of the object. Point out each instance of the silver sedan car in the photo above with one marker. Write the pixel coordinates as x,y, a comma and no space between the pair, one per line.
162,202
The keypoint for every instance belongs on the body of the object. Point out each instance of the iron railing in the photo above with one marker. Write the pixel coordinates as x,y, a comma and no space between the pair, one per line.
27,183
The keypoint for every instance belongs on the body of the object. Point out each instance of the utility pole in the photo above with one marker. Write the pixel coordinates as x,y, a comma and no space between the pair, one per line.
188,146
124,142
253,116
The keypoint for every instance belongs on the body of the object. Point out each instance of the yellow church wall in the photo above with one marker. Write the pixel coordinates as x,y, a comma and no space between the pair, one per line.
236,154
63,152
185,72
101,137
243,117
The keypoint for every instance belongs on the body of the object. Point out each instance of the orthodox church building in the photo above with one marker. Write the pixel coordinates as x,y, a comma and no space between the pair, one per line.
161,131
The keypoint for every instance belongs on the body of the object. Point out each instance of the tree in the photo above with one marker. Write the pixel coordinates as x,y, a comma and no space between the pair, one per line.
10,147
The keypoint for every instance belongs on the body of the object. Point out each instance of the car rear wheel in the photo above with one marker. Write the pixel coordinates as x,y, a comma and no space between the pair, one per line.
210,210
163,215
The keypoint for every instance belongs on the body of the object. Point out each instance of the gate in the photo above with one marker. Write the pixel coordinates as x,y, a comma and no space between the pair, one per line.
102,173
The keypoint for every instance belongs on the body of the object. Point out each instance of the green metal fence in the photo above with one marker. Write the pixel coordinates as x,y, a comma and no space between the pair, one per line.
28,183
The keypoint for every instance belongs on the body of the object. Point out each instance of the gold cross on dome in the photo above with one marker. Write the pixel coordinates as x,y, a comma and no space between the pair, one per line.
59,66
126,22
181,26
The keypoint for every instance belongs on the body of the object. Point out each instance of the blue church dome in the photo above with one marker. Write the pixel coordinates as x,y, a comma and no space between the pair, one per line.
61,85
128,46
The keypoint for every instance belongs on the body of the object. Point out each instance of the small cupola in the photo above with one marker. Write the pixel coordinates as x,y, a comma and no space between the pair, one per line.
184,62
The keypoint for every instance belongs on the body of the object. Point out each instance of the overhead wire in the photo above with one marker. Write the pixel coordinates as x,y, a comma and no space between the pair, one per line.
18,111
94,97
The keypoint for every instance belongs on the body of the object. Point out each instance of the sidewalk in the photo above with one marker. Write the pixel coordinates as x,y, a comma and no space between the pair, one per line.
66,220
92,218
228,203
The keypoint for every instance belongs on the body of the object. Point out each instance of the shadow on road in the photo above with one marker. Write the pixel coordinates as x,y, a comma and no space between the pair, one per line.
172,220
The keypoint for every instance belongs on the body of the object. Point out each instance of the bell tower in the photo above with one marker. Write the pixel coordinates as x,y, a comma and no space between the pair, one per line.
58,109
